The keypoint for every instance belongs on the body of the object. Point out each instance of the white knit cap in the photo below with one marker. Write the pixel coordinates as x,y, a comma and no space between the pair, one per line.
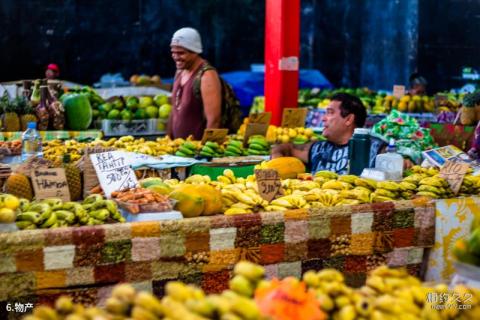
187,38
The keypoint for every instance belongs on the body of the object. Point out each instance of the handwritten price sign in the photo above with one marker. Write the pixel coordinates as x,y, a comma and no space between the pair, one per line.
113,171
50,183
261,117
294,117
214,135
454,172
268,182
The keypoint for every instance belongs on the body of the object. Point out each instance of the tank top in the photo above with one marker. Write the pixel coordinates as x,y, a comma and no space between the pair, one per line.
187,111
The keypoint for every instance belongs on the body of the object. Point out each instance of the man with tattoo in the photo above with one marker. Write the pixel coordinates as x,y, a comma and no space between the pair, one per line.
344,113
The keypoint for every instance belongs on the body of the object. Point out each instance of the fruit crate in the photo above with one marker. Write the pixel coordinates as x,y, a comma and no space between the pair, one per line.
132,127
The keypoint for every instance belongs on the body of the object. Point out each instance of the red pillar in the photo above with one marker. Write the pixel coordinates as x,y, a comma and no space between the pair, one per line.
282,48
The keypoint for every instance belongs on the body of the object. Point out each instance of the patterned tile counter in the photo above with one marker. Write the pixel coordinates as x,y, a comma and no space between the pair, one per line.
38,265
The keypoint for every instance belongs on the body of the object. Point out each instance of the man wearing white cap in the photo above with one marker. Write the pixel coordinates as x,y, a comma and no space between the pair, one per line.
193,111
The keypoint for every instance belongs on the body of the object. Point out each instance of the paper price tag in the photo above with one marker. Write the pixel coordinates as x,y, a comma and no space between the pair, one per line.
254,129
454,172
214,135
261,117
50,183
269,184
398,91
294,117
113,171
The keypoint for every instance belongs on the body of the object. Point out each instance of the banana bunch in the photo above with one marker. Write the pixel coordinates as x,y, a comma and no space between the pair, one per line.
234,148
55,149
293,201
228,177
54,213
434,187
386,191
237,199
211,149
258,146
188,149
198,179
470,185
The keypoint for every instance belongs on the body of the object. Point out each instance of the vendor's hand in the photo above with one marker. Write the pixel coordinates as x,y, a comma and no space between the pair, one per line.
407,164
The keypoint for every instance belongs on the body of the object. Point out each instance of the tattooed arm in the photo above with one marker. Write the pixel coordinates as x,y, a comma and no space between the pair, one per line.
300,151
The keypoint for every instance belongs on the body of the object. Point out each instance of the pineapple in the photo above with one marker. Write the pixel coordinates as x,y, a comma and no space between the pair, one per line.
74,178
19,185
26,111
10,119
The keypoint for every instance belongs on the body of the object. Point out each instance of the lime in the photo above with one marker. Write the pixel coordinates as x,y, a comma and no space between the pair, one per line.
105,107
152,112
118,104
114,114
165,110
160,99
140,114
132,103
145,102
126,115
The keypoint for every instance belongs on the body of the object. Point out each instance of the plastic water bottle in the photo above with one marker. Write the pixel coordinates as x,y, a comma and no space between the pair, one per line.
390,162
31,142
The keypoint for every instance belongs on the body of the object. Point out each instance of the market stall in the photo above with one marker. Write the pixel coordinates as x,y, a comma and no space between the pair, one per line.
39,265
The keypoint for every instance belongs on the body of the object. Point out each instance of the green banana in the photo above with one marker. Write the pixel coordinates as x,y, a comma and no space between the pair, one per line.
236,143
69,205
206,154
29,216
67,216
55,203
111,206
213,145
22,225
189,145
257,152
101,214
43,208
24,203
208,149
181,154
256,146
98,205
233,149
186,151
92,198
261,142
92,221
231,154
50,221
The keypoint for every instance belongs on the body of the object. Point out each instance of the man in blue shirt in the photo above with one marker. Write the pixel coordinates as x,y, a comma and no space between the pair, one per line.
344,113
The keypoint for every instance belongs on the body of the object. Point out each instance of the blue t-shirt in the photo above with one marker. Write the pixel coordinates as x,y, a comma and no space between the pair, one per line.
325,155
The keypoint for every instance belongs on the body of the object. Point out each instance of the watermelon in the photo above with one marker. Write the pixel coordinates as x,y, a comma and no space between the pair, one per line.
78,111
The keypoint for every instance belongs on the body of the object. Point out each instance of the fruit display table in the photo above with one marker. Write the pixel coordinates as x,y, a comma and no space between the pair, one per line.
84,262
53,135
453,220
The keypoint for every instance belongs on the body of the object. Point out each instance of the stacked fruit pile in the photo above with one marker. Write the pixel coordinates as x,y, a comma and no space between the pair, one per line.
188,149
388,294
11,147
211,150
138,200
145,80
53,213
131,107
258,146
234,148
406,103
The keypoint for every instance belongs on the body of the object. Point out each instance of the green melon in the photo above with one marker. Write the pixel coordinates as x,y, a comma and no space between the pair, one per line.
78,111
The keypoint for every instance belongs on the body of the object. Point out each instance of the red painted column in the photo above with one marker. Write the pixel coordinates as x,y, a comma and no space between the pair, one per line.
282,48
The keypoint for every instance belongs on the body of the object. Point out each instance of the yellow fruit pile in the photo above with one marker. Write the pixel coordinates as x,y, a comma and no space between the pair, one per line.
8,208
391,294
388,294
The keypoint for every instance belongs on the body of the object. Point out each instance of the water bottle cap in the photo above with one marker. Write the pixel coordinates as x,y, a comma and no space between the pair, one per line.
361,131
32,125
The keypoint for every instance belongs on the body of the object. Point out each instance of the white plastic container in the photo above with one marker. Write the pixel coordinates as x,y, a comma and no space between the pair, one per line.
391,162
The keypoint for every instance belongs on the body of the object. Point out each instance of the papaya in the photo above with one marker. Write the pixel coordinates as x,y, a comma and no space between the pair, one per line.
212,198
78,111
189,202
287,167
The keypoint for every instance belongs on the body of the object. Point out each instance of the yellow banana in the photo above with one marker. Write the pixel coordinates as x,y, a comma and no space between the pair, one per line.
235,211
326,174
388,185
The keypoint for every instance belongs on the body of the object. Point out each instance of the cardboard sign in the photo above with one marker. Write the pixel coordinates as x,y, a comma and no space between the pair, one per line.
50,183
294,117
269,184
261,117
214,135
254,129
113,171
454,172
398,91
